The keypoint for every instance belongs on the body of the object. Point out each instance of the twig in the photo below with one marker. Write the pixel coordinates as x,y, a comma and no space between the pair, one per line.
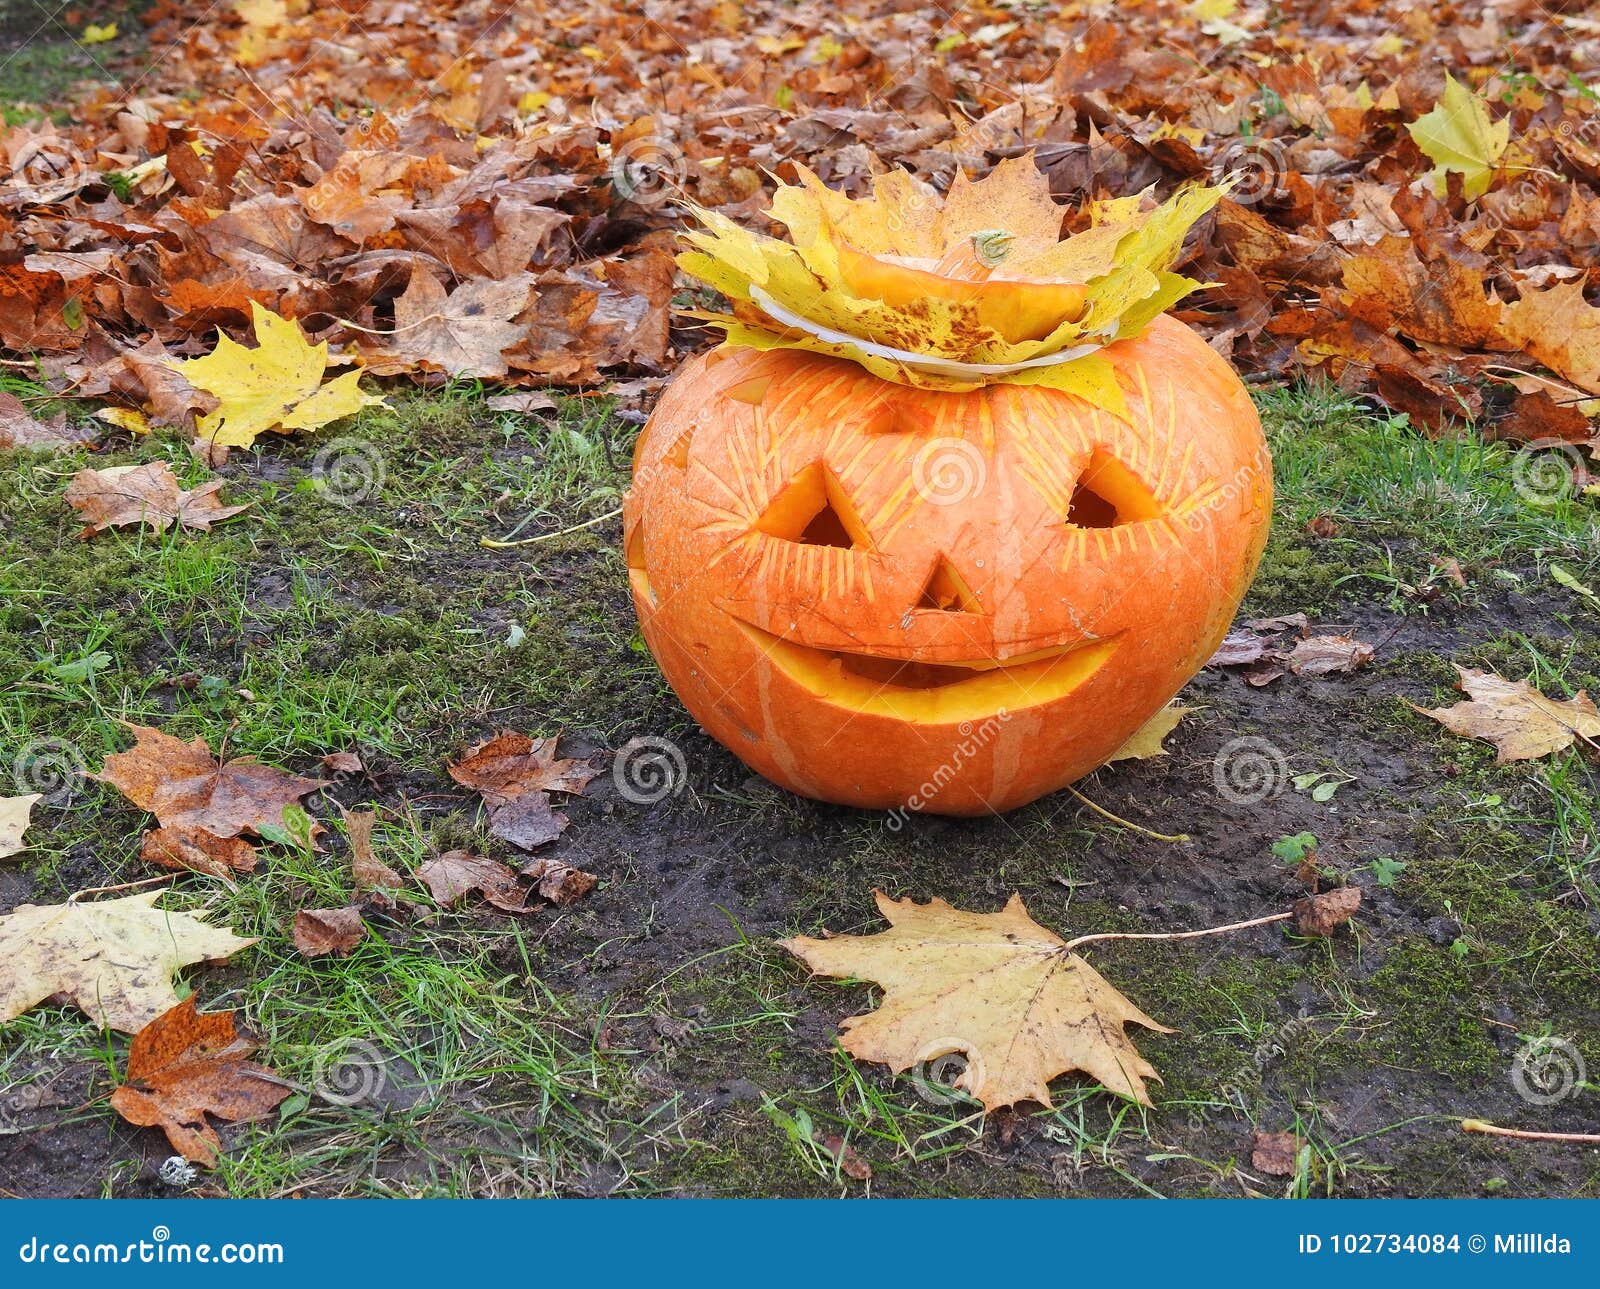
1117,819
492,544
1177,935
1494,1130
121,886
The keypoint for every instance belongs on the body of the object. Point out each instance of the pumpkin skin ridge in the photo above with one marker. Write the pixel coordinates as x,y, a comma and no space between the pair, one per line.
1165,587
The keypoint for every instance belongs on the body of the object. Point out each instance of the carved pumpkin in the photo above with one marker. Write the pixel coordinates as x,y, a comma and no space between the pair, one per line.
950,595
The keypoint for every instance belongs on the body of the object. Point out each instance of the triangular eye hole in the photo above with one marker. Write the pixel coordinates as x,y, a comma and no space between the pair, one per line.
947,591
1108,495
813,510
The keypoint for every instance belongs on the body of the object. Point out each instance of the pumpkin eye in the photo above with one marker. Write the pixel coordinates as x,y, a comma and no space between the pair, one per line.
1108,495
813,510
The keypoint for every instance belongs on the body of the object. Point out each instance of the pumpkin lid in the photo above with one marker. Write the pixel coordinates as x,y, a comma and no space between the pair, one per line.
954,290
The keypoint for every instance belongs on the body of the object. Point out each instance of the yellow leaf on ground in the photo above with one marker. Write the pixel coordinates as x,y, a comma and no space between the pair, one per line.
998,988
275,386
14,815
113,958
1459,135
1146,741
98,35
1520,721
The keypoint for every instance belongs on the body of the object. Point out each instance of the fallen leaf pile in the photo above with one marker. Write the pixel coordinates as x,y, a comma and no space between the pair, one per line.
1261,656
515,776
493,192
203,806
186,1065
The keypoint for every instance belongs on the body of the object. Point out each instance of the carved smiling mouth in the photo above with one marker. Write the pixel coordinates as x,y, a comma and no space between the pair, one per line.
933,693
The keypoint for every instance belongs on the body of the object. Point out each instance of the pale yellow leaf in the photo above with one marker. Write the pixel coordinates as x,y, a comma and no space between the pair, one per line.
14,815
998,988
1146,740
1520,721
114,958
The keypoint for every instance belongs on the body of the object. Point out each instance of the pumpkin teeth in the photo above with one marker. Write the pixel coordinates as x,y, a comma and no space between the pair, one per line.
950,292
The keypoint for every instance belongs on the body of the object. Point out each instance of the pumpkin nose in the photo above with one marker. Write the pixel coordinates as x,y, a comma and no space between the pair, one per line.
946,591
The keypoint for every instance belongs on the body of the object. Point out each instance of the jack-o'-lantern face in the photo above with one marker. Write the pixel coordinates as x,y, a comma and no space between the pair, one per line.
887,596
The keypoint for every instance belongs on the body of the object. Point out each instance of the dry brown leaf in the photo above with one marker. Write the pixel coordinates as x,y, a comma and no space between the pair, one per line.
113,958
1325,655
1520,721
184,846
144,494
997,987
182,783
366,868
456,873
1319,915
1275,1153
20,429
559,883
465,333
319,932
528,822
510,765
186,1065
15,813
342,763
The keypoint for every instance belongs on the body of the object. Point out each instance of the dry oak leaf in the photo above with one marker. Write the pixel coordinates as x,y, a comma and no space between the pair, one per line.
183,784
185,1065
319,932
997,987
450,876
144,494
464,334
510,765
184,846
113,958
14,815
275,386
1520,721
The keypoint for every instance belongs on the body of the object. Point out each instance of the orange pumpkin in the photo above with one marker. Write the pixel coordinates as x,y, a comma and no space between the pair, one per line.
935,532
894,597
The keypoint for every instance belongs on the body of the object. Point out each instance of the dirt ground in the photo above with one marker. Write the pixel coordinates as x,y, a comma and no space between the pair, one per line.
652,1037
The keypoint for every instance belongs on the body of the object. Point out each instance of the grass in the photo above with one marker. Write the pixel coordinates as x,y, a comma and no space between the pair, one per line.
652,1038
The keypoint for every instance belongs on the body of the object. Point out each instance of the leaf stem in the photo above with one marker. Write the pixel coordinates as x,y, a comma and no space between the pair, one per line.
1118,819
1177,935
492,544
1494,1130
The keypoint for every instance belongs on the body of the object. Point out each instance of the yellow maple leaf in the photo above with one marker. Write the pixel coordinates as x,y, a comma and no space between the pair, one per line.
1147,740
949,291
999,988
275,386
98,35
1459,135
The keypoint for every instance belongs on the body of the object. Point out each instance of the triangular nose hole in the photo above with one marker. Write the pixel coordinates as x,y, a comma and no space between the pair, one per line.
813,510
948,591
